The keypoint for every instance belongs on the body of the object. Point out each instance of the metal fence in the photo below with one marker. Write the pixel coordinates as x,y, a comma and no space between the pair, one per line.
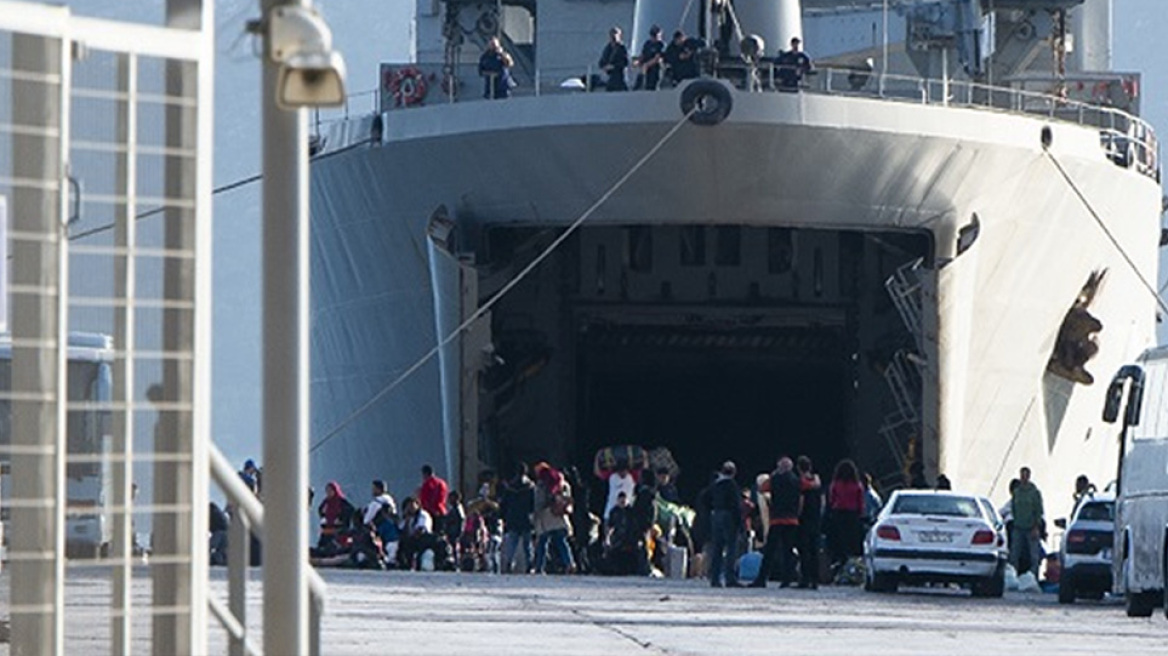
105,166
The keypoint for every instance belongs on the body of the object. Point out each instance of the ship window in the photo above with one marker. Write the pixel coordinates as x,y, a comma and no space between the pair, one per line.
693,246
817,272
728,246
641,249
601,264
780,250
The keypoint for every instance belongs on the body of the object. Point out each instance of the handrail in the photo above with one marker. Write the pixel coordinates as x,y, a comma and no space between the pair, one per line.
1126,139
248,519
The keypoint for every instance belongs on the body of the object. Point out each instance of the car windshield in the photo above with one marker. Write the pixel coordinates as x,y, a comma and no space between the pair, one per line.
946,506
1097,512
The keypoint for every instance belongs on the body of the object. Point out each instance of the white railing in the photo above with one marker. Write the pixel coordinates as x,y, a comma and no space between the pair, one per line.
1128,140
246,520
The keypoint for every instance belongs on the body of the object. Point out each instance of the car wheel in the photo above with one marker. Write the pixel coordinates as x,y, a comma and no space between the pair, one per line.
1066,593
991,586
1141,604
884,583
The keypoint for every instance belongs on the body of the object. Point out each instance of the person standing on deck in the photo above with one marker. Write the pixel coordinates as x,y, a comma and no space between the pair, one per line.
614,60
495,68
791,66
651,60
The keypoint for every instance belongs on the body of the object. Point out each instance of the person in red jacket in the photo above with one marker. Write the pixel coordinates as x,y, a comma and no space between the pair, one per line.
846,500
432,494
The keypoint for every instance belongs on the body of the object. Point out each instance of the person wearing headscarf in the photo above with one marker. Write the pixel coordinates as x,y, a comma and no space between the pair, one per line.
335,513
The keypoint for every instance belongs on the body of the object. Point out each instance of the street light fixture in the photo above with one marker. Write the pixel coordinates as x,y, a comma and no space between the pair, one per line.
311,73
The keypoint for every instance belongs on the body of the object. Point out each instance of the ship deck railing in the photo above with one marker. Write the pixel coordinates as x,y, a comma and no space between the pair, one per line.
1126,139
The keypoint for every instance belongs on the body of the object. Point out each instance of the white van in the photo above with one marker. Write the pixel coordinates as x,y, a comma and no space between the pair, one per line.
1140,567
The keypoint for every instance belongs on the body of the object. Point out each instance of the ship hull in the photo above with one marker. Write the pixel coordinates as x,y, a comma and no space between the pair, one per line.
1046,218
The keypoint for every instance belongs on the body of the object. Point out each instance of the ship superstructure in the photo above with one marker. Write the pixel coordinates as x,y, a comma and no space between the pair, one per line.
920,255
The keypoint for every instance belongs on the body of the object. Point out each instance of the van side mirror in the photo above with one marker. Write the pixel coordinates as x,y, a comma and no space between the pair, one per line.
1135,399
1061,522
1114,398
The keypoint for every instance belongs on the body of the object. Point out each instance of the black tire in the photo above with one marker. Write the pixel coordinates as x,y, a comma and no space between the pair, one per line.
993,585
1141,604
710,102
1066,593
885,583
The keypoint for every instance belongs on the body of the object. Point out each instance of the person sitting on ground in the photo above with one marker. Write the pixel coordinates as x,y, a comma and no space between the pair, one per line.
417,528
791,66
335,513
381,507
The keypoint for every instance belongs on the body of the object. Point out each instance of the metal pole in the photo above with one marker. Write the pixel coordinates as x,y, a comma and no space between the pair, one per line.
884,50
36,540
125,236
285,330
238,560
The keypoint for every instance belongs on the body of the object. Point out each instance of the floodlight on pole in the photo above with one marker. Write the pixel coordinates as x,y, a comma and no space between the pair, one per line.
311,73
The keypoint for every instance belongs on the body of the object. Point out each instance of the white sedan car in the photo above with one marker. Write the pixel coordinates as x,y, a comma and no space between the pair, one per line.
925,536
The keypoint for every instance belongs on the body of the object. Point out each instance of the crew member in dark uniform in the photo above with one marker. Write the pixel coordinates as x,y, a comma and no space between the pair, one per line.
652,57
681,57
614,60
792,65
495,67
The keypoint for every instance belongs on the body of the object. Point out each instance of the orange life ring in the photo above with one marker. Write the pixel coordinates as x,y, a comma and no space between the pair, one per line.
408,86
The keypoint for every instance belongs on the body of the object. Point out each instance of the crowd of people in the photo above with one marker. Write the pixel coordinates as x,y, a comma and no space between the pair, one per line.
541,519
658,64
786,525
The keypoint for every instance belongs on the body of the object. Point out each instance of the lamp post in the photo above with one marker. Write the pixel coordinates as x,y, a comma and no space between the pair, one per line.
299,70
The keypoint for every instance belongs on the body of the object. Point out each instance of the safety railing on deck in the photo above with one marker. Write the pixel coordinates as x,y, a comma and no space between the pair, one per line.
246,520
1127,140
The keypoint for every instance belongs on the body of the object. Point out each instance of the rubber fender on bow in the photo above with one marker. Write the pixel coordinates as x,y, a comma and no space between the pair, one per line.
709,100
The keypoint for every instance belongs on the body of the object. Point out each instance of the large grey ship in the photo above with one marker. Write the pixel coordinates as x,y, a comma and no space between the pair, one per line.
922,254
